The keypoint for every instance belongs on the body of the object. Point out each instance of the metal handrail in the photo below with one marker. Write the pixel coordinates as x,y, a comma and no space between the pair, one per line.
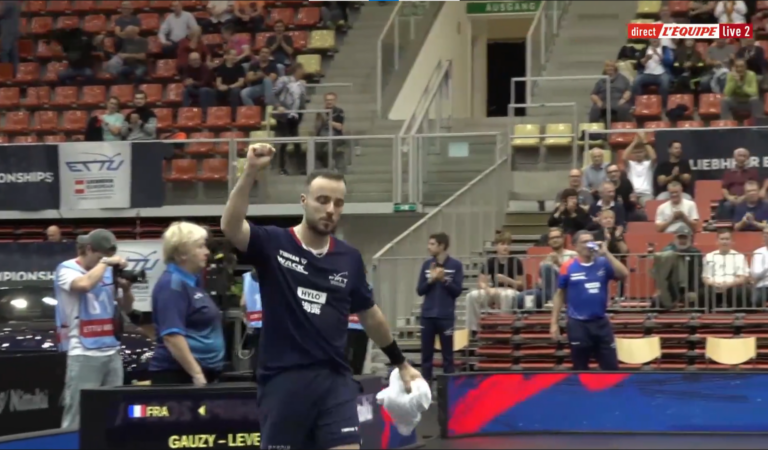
430,90
380,54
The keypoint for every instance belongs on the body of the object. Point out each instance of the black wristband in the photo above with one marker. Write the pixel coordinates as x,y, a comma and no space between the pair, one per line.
394,354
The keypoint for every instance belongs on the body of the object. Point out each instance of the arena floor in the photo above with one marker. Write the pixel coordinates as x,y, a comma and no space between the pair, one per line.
602,441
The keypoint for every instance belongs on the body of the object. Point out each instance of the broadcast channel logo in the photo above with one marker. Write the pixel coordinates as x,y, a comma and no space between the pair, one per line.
690,31
99,163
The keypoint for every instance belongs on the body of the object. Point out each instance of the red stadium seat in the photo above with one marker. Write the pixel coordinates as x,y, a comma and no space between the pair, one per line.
41,25
34,7
54,138
26,140
709,106
155,47
93,96
709,190
214,170
183,170
173,94
650,136
74,121
108,6
6,72
212,39
140,4
222,148
621,139
200,148
124,93
284,14
16,122
28,72
45,121
679,8
164,118
650,208
68,23
84,6
682,99
37,96
26,48
189,118
160,4
261,40
690,124
10,97
58,7
65,96
48,50
149,22
300,39
723,124
165,69
219,117
52,71
154,93
248,117
762,5
96,23
648,106
308,17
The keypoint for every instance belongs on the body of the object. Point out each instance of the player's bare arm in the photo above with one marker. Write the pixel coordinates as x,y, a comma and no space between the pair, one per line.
233,223
377,328
557,305
620,270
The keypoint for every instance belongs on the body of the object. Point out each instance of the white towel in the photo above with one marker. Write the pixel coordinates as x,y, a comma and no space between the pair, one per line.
405,409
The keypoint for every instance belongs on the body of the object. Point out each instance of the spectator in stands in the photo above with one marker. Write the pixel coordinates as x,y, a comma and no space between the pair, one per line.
606,229
608,202
249,17
79,49
549,270
221,14
720,56
141,123
752,213
595,174
281,45
333,15
175,27
330,124
759,273
239,43
621,93
568,215
10,21
260,80
689,66
640,160
198,83
112,121
574,182
668,45
731,12
291,92
677,271
440,283
192,44
752,54
122,22
741,92
625,193
674,169
53,234
230,79
654,73
131,62
734,181
726,274
677,213
498,284
702,12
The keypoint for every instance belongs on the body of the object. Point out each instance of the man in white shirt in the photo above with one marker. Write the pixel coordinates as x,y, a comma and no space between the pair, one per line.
759,273
725,275
654,74
731,12
175,27
640,161
678,214
86,293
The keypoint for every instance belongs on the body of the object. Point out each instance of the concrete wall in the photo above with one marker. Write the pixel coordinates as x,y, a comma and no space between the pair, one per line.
370,233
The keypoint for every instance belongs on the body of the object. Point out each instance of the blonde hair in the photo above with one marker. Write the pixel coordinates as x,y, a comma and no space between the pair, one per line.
178,237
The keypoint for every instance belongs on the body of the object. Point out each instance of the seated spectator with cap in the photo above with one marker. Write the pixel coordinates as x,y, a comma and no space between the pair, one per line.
608,202
575,178
677,213
568,215
752,213
759,273
198,83
741,92
677,271
501,280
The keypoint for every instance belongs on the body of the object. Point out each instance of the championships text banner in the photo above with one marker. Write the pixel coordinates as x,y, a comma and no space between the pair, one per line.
691,31
82,175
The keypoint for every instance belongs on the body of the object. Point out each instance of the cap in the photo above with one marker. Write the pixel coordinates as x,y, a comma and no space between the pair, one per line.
100,240
684,232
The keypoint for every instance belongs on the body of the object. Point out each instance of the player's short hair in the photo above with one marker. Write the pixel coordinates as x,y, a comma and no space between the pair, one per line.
579,234
607,211
722,231
178,237
327,174
674,184
570,192
441,238
503,238
555,230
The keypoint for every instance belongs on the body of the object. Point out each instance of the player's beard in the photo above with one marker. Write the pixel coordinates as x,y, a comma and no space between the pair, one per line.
320,228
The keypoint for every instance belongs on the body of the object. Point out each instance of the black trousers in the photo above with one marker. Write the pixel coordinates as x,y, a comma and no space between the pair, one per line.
288,127
180,376
252,343
357,348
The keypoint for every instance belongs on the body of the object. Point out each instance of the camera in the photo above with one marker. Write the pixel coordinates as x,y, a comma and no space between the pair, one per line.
132,276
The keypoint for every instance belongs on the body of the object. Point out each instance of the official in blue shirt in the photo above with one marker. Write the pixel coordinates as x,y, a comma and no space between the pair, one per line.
190,341
440,283
583,286
752,213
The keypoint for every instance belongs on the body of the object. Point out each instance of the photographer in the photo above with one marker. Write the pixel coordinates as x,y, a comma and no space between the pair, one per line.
251,303
190,340
86,318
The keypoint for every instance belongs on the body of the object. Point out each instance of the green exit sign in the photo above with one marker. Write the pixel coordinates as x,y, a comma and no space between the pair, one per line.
512,7
405,207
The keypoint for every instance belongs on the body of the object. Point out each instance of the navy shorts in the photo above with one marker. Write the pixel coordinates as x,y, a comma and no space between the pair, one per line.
309,409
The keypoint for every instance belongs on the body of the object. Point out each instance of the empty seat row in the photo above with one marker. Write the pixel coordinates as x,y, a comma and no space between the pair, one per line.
218,117
192,170
650,107
37,7
88,96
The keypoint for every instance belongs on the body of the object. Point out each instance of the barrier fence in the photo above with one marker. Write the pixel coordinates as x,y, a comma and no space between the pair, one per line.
540,39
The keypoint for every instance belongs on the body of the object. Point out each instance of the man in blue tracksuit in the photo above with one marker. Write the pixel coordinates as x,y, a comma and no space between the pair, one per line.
440,283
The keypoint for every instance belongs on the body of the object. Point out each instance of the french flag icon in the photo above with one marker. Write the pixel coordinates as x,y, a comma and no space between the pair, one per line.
137,411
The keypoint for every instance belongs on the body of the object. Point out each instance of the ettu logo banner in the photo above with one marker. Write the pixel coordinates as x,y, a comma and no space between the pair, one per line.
95,175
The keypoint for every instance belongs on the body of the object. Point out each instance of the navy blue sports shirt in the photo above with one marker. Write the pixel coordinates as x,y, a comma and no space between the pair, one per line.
306,300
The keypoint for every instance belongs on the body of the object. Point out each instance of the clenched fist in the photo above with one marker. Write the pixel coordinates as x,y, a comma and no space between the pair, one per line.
258,158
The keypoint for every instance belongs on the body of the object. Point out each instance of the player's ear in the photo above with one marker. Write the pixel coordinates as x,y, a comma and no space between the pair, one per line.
303,200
